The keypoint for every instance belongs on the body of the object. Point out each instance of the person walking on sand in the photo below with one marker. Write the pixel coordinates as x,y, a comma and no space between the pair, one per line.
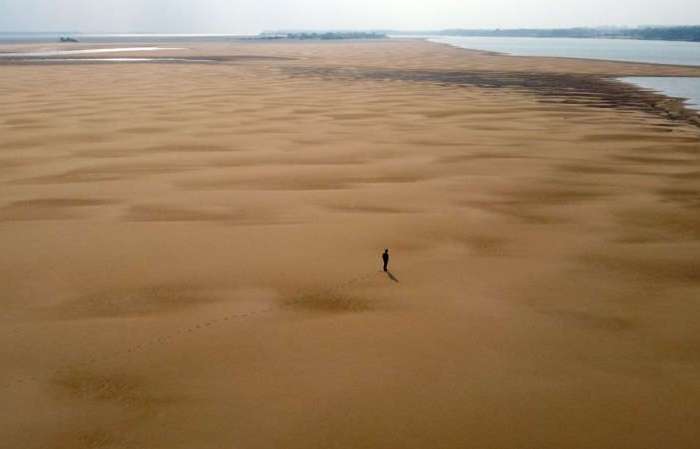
385,259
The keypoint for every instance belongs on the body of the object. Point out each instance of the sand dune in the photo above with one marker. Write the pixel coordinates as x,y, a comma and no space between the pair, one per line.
190,252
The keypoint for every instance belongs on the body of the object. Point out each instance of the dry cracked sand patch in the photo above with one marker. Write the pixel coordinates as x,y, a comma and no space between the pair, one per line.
191,253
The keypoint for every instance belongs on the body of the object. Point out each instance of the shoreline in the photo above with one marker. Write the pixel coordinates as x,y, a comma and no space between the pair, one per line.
670,107
673,108
607,90
498,53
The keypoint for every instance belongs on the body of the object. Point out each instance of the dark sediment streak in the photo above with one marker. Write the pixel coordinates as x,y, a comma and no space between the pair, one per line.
601,91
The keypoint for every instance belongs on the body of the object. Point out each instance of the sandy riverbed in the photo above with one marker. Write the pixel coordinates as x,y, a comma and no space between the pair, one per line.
190,252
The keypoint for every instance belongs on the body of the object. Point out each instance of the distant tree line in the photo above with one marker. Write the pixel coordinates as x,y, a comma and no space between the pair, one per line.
328,35
686,33
672,33
527,32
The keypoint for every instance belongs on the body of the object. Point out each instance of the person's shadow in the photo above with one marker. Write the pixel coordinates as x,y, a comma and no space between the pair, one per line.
392,277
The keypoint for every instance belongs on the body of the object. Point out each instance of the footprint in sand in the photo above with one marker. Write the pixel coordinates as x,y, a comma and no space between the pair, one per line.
170,338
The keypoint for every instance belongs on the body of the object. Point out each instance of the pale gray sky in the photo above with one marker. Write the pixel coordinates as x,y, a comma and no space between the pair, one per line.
252,16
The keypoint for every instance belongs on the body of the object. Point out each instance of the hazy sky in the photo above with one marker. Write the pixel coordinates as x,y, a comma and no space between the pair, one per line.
252,16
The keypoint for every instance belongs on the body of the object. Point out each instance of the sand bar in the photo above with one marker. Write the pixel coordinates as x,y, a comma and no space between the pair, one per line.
190,252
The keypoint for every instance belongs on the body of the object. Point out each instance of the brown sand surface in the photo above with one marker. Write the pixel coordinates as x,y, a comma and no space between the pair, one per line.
190,252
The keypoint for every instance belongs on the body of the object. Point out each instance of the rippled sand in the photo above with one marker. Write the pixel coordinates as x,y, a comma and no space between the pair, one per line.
191,252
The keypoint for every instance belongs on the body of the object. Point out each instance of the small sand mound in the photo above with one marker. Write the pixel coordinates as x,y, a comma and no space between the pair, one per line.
98,438
334,302
118,388
97,387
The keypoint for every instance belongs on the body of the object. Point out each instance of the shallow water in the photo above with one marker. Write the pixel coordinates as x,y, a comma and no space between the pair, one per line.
688,88
101,38
655,52
47,53
91,60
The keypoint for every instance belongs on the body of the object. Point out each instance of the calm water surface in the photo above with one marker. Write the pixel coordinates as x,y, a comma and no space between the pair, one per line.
82,52
688,88
655,52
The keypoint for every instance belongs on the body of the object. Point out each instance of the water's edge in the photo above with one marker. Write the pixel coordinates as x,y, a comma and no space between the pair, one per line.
684,90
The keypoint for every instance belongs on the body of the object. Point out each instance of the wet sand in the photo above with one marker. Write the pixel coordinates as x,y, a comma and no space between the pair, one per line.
191,251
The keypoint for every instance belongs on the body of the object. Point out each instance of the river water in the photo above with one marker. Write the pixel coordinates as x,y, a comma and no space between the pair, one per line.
654,52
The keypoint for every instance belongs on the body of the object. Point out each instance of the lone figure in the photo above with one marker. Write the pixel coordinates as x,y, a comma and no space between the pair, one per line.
385,258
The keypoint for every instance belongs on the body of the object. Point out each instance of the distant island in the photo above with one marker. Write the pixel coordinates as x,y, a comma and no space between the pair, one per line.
325,35
671,33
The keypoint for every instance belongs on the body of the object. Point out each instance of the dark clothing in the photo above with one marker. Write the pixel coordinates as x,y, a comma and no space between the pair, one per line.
385,258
